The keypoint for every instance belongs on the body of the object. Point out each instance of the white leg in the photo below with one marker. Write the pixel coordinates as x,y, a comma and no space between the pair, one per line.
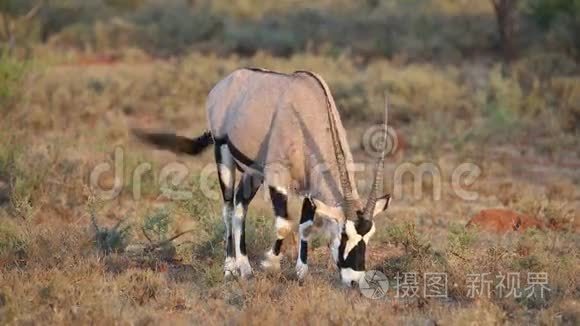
238,221
306,221
301,261
226,176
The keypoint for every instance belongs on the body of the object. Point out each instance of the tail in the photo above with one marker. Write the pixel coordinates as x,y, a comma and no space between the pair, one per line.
174,143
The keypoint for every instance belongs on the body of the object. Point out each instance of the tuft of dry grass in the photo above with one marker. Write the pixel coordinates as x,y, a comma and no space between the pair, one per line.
72,118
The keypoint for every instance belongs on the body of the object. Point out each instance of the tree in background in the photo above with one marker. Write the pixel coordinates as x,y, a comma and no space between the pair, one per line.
15,16
506,16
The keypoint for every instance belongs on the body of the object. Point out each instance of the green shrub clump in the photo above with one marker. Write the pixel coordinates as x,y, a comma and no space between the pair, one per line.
12,72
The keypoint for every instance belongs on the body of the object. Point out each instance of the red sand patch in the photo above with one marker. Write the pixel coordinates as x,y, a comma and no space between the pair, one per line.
503,221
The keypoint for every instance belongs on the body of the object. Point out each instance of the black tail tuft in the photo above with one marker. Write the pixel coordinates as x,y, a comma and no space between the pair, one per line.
174,143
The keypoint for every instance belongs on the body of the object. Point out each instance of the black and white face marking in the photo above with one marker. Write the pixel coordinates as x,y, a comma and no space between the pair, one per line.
350,238
354,239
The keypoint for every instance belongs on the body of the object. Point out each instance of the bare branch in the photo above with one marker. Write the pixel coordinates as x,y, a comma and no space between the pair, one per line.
33,12
156,245
146,235
6,22
94,221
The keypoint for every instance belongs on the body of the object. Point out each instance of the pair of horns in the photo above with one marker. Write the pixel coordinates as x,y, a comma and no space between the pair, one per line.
349,202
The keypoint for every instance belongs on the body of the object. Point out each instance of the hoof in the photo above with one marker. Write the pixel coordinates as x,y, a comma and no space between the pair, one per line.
229,276
230,269
301,270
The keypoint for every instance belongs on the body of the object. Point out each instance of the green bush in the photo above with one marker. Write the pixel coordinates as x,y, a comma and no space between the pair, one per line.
107,240
174,26
12,244
111,240
440,30
560,19
22,182
547,12
156,225
417,30
12,72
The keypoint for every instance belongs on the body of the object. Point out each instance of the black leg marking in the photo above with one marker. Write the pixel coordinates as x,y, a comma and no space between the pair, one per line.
247,188
230,245
224,165
306,220
243,239
277,247
304,251
280,206
282,225
308,211
280,202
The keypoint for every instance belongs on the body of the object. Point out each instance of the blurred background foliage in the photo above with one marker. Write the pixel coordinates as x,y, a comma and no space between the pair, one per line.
445,30
471,63
493,82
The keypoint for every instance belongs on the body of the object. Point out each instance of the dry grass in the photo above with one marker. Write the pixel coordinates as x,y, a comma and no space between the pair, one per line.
70,118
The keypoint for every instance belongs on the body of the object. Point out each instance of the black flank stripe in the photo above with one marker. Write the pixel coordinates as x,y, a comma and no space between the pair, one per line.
239,156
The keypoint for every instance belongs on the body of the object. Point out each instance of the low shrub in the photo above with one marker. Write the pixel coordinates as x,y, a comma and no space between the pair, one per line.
12,73
171,27
13,245
559,19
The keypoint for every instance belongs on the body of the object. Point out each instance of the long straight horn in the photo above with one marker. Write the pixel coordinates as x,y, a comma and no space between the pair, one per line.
349,205
378,178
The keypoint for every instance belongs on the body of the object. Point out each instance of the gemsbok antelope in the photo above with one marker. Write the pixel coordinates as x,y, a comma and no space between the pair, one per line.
284,131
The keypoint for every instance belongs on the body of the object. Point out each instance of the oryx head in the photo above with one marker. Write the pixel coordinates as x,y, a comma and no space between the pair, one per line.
355,223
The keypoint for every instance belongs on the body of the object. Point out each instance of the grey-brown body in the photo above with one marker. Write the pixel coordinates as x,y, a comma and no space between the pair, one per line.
280,122
283,131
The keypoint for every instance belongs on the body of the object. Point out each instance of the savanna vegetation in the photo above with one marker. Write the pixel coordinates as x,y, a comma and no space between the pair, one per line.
495,83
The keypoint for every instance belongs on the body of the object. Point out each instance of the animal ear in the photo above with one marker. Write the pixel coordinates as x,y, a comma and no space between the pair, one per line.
382,204
328,211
